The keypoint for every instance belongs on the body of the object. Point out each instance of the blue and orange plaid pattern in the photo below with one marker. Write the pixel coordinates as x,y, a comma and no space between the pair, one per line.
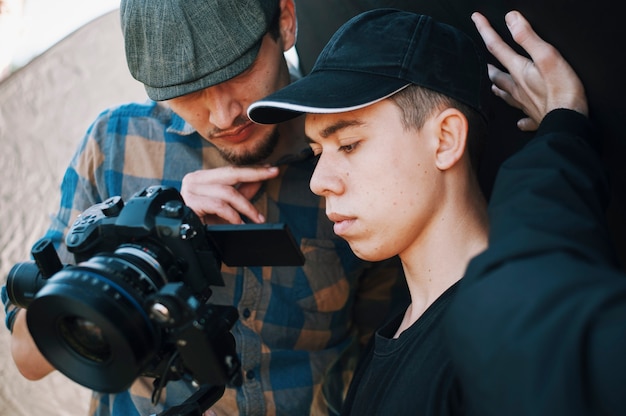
300,328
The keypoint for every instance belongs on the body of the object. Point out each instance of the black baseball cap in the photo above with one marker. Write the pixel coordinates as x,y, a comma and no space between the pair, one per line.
376,54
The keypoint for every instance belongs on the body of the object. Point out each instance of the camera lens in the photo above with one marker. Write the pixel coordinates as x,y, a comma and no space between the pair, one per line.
23,282
86,338
136,303
89,320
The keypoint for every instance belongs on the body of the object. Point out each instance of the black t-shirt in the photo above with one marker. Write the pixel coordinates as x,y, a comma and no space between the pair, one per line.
408,375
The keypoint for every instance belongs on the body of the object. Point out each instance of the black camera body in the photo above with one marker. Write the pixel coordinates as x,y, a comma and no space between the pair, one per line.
136,302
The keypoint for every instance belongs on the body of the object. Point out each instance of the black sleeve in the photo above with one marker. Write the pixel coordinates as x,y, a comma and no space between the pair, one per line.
538,326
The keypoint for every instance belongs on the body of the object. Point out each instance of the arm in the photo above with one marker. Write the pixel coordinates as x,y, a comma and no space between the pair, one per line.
28,360
537,326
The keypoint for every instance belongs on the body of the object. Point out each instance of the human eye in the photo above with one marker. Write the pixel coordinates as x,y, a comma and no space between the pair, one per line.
348,148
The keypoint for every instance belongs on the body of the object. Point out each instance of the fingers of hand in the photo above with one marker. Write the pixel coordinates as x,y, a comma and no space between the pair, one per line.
504,87
225,193
231,175
501,80
494,43
555,82
511,87
524,35
220,200
506,97
546,59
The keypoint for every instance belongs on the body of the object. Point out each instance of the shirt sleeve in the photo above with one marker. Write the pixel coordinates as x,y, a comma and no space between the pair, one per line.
9,309
80,188
537,326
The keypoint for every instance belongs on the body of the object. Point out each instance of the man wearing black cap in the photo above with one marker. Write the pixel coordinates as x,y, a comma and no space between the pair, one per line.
202,63
393,120
395,111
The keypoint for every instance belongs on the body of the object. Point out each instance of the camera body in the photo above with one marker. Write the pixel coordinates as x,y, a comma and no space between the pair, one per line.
136,301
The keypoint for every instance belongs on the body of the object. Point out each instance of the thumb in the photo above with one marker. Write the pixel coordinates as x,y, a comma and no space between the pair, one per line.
527,124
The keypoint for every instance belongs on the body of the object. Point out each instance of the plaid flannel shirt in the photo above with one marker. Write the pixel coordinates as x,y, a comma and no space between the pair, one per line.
300,328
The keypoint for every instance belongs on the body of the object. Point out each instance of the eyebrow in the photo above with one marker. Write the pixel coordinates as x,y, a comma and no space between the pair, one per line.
337,126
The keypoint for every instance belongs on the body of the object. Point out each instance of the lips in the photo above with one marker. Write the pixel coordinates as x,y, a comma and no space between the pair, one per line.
342,223
236,135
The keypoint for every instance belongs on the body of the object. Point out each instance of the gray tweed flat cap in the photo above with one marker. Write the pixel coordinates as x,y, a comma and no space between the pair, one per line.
175,47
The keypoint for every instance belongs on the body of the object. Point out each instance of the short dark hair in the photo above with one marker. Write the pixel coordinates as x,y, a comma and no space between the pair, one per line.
417,103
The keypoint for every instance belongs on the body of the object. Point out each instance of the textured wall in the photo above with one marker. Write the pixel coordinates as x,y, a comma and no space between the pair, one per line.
45,109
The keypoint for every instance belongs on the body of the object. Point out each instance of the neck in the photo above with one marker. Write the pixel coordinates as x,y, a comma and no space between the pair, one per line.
457,233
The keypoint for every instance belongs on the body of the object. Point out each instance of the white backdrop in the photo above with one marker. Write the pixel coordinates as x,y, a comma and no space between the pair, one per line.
45,108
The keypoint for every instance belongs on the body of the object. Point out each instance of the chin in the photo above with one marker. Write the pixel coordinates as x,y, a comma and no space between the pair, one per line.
368,254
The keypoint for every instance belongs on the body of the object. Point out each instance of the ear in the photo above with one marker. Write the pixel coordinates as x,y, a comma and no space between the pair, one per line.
452,128
288,23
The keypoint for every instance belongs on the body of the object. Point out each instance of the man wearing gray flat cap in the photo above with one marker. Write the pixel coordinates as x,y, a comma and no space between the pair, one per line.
300,329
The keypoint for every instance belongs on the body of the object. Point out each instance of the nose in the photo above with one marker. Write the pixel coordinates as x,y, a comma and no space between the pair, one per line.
325,179
224,107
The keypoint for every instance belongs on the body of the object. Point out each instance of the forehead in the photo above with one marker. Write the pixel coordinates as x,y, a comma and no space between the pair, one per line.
322,126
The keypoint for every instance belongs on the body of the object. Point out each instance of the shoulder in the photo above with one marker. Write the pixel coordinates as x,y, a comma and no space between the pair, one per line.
148,112
151,120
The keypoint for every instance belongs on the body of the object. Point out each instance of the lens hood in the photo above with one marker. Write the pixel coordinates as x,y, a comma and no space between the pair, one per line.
92,329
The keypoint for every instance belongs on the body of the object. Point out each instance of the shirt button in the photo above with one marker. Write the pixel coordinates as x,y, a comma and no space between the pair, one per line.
246,313
250,374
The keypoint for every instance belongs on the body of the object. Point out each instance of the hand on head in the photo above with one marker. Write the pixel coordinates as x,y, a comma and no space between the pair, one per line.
537,85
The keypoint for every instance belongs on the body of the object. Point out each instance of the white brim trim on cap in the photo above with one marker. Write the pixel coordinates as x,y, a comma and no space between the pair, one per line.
273,112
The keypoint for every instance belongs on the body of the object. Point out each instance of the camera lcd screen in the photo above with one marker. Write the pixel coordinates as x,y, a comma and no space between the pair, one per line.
255,245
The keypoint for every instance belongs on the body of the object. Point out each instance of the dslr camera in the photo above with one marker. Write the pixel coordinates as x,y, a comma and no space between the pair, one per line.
135,303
